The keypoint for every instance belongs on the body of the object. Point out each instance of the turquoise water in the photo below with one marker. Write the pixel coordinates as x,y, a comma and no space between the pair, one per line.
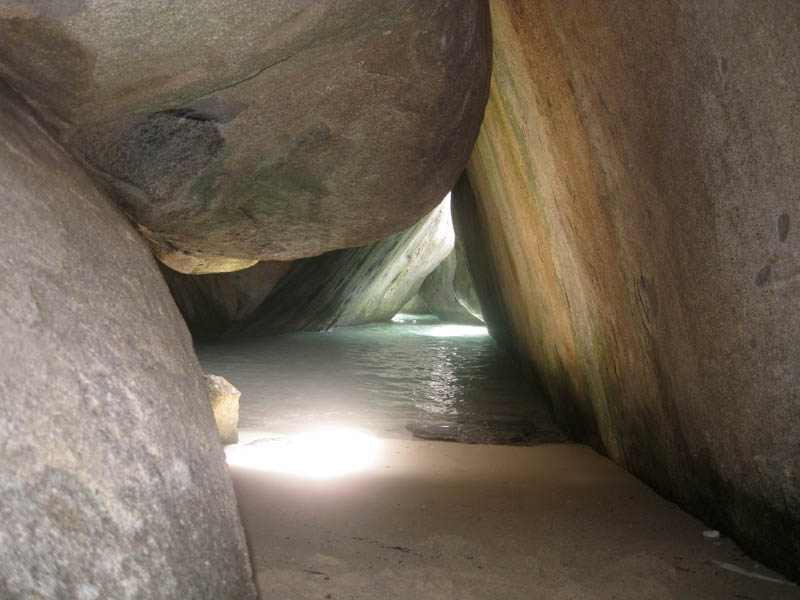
434,379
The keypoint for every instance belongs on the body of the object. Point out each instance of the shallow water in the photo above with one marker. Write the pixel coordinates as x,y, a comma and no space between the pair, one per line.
437,380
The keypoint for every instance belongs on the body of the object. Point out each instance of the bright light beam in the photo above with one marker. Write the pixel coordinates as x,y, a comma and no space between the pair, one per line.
315,454
456,330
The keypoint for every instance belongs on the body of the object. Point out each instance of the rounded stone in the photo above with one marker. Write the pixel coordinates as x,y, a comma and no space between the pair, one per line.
251,131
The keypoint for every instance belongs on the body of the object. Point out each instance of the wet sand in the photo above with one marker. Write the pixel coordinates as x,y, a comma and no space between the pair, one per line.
438,520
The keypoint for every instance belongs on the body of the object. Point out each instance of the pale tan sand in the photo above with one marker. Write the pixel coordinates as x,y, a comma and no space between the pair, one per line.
435,520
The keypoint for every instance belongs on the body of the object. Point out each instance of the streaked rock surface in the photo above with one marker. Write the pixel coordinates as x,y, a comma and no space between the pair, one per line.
636,177
359,285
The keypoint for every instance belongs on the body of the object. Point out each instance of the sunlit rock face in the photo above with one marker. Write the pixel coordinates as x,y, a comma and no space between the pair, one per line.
235,131
636,181
359,285
210,303
112,478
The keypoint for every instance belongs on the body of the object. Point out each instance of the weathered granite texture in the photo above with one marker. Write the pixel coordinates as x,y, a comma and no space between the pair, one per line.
637,196
112,478
234,131
358,285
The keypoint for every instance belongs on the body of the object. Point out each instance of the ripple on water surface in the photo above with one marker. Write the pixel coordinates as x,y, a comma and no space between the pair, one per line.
415,375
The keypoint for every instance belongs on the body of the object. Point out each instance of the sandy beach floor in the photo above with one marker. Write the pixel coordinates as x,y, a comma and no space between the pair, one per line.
438,520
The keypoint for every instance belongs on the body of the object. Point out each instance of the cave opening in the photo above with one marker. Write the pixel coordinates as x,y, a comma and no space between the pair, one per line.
382,341
624,212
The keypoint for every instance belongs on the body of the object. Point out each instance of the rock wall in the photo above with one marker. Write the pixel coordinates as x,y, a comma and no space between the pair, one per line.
473,232
210,303
358,285
463,287
636,190
440,292
234,131
112,478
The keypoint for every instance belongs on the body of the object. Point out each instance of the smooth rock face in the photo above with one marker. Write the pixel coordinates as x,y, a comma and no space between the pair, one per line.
224,400
415,306
439,294
469,225
462,282
245,130
636,178
359,285
112,478
211,303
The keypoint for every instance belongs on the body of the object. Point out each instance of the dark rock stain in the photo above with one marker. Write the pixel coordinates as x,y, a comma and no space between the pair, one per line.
783,227
247,214
763,276
40,59
157,153
650,292
723,65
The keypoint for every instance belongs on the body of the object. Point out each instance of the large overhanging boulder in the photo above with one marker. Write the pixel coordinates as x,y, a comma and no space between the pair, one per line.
236,131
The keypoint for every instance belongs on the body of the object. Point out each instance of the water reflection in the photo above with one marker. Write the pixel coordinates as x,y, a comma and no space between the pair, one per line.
435,379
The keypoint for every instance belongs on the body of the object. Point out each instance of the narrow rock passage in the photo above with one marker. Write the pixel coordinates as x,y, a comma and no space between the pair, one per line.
438,520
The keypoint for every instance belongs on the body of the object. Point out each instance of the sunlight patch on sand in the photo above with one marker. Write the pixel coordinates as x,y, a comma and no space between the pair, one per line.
319,454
